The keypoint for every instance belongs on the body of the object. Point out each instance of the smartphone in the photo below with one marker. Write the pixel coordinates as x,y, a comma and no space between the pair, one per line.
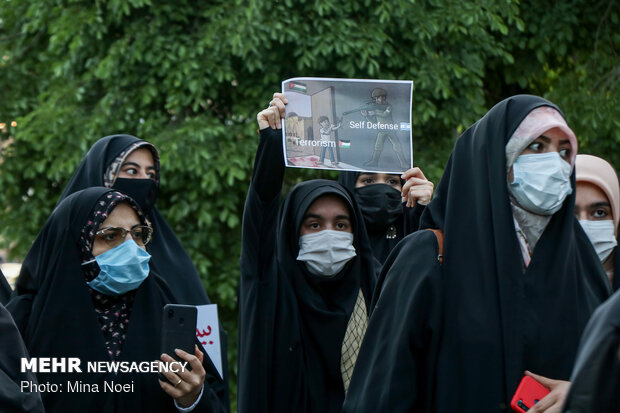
528,394
178,330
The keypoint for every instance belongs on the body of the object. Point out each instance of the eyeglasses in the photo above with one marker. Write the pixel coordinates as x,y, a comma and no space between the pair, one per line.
114,236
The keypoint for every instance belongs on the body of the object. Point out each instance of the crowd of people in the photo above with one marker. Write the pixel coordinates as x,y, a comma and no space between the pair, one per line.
373,293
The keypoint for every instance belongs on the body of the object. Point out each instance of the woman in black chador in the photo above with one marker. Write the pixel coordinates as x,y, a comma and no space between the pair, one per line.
516,286
98,300
391,206
307,278
131,165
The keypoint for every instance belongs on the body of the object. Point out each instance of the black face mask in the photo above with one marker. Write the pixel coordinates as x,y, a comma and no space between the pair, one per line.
143,191
381,205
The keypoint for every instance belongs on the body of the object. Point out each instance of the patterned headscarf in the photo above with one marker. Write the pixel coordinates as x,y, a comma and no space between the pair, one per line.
112,172
113,312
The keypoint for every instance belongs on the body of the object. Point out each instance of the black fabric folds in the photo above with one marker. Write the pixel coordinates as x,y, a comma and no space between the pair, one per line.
5,289
458,337
169,258
58,319
292,324
596,375
381,238
14,398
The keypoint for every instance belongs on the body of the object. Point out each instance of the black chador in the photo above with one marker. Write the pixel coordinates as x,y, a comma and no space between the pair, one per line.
62,317
457,336
18,390
99,168
386,218
293,323
596,375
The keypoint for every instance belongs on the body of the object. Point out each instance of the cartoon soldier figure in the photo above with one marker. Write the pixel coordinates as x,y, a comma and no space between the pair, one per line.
382,113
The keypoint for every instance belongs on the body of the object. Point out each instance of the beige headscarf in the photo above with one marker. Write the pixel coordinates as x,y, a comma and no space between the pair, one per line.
536,123
599,172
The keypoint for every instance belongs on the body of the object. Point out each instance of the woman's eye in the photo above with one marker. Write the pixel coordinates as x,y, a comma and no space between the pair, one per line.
109,236
314,225
564,153
368,181
341,225
535,146
151,175
131,171
599,213
393,182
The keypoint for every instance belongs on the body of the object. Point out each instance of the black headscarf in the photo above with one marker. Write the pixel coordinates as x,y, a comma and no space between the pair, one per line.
13,398
169,258
485,318
59,318
292,323
381,239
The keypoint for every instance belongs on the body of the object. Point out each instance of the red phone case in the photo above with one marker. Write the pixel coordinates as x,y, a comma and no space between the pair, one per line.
527,395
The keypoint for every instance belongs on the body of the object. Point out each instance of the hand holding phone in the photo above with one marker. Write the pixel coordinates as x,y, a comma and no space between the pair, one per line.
528,394
178,330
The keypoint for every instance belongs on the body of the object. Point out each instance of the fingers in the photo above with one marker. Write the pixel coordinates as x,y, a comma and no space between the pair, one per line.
194,377
273,115
417,190
548,383
414,172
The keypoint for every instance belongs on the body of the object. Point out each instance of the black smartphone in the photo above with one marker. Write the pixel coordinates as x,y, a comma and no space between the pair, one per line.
178,330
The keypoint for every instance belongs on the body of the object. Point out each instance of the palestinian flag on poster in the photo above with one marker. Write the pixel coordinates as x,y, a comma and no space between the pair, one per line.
299,87
344,144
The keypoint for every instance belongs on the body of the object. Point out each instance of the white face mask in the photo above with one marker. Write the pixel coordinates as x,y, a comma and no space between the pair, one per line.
601,234
541,182
326,252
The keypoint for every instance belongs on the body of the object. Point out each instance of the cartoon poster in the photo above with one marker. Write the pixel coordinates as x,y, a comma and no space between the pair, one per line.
348,124
208,333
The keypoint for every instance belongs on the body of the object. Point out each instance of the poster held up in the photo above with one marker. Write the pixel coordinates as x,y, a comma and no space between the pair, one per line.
348,124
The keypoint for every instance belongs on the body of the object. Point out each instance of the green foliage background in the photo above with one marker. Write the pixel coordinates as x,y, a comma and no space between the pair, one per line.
190,77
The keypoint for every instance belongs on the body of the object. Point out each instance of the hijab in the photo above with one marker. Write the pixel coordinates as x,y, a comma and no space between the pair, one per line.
536,123
601,174
383,238
60,317
324,304
100,167
498,315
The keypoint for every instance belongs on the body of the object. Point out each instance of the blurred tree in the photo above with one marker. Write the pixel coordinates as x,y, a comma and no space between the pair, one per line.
190,77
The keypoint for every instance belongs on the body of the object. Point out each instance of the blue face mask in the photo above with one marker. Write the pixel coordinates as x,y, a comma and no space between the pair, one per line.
541,182
122,269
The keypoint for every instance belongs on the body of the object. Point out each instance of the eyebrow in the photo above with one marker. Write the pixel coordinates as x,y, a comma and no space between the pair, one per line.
321,217
131,163
547,139
599,204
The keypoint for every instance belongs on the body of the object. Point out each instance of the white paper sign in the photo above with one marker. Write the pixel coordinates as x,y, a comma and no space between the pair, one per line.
348,124
208,333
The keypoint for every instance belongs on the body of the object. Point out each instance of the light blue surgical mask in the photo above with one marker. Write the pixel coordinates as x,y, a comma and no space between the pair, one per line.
122,269
326,252
541,182
601,235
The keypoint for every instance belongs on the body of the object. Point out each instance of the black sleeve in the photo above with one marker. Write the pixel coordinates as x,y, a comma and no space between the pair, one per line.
259,275
395,367
269,164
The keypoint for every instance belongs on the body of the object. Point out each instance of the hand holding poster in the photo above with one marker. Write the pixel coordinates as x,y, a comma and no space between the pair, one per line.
348,124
